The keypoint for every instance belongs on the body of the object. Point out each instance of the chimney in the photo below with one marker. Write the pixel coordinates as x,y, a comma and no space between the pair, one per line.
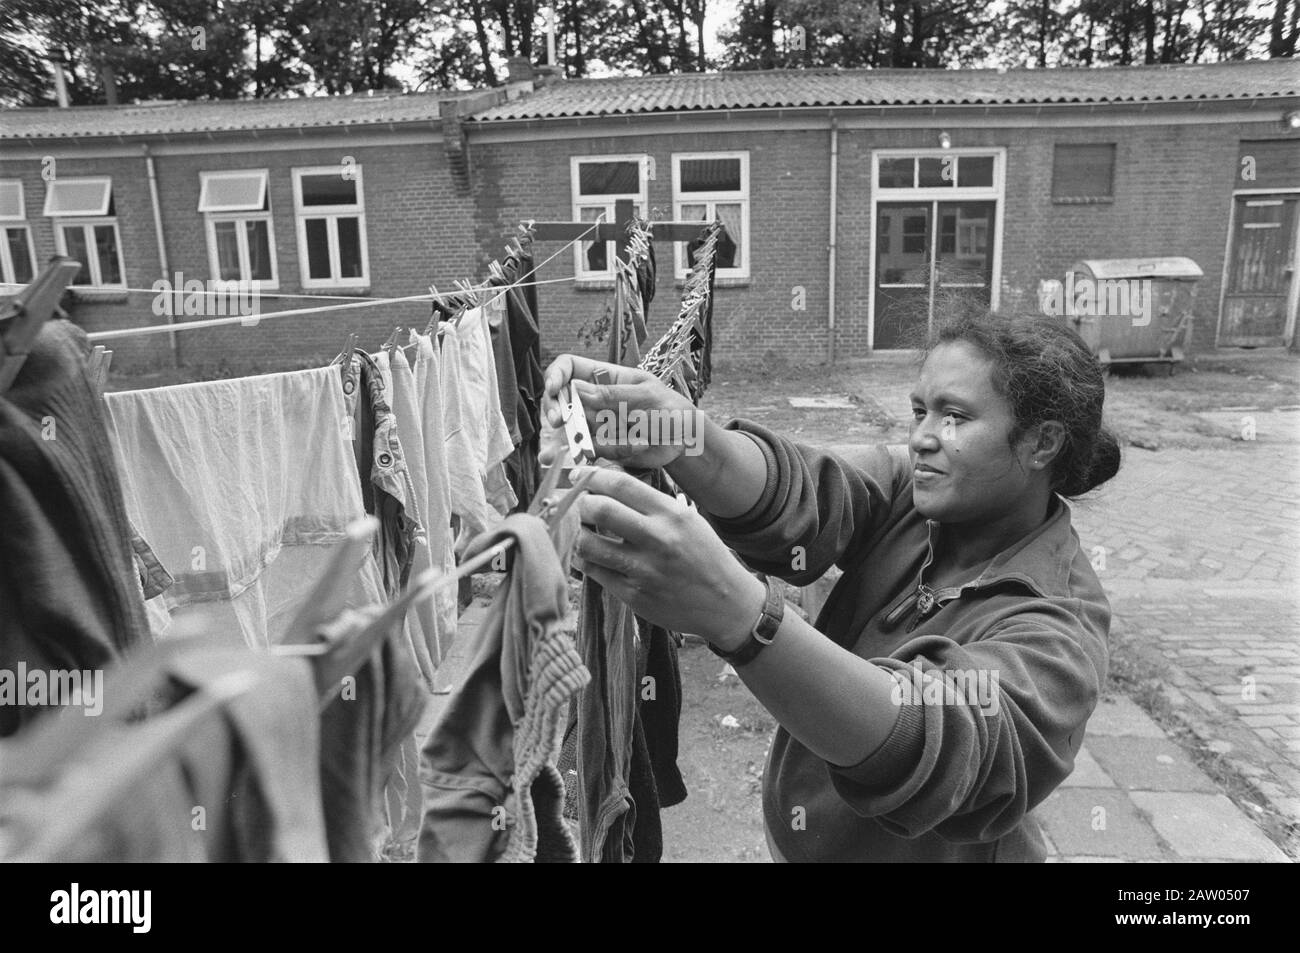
519,70
60,84
110,84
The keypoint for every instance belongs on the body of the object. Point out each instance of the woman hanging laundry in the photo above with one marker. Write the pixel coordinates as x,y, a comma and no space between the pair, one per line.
943,692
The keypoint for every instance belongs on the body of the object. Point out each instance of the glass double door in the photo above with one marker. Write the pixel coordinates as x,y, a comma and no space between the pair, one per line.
927,252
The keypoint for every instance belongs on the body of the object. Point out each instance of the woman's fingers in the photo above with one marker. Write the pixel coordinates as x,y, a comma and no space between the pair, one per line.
609,554
614,583
615,518
627,490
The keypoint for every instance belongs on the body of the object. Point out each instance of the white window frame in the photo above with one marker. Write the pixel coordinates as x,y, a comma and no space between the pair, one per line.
88,226
8,276
711,199
207,177
995,193
331,214
605,203
88,223
239,217
108,196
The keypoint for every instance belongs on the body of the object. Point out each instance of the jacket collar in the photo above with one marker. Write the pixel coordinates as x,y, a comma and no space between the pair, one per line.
1040,561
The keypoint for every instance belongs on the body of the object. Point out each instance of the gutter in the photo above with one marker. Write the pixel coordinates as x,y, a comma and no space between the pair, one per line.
162,246
830,305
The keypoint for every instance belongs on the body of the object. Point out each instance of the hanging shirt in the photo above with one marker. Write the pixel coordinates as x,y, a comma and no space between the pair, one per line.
487,428
242,487
468,500
428,385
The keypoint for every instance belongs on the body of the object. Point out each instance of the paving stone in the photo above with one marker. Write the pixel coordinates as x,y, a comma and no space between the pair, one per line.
1202,826
1071,816
1087,772
1149,764
1119,715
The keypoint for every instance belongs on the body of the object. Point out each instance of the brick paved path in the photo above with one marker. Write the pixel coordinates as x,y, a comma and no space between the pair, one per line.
1201,557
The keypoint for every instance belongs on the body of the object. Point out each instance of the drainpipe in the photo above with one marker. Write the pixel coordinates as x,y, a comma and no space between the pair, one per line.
162,246
830,297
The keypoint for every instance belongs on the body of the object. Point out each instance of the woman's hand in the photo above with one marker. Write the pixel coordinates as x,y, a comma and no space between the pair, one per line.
635,420
665,561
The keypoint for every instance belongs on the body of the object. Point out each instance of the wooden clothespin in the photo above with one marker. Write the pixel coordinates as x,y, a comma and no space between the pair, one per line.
391,344
494,269
22,318
469,292
345,355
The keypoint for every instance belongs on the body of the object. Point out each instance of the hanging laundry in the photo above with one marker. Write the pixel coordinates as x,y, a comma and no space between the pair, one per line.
386,487
503,356
242,784
241,486
525,344
69,591
487,426
428,385
362,738
469,501
495,746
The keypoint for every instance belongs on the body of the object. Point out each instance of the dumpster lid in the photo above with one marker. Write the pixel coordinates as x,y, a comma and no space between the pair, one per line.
1173,267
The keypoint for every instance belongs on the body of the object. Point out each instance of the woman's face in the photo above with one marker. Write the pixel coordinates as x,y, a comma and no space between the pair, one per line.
963,467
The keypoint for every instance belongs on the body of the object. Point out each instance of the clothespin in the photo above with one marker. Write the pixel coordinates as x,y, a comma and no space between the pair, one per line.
391,344
575,426
494,269
27,312
345,355
468,290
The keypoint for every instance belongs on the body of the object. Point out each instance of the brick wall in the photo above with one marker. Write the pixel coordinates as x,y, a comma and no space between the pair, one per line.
789,175
1172,196
418,230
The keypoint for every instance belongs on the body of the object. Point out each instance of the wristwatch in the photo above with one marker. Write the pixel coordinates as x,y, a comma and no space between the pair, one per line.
763,631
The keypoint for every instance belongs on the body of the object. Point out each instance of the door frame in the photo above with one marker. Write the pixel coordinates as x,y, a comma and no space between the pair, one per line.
994,193
1293,297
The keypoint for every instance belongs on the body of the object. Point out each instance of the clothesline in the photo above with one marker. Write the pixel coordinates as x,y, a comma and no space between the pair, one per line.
369,303
237,288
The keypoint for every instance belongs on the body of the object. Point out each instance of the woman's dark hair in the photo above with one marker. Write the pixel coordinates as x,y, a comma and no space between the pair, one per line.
1046,372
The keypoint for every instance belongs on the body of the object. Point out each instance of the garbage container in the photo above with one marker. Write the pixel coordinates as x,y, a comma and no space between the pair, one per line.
1134,310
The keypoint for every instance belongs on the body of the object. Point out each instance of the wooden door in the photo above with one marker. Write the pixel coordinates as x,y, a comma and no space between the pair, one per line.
1259,298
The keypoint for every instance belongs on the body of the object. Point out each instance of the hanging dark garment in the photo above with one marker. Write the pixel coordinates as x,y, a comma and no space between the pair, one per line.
69,595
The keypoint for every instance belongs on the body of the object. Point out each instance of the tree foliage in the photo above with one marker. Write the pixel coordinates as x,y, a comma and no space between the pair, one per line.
197,49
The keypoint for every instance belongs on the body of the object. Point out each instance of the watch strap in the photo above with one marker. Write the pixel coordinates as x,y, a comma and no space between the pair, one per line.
763,631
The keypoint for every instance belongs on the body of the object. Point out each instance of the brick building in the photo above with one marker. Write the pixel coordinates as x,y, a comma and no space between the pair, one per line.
854,201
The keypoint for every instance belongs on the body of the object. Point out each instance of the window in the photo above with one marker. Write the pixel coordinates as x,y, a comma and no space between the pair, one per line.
241,245
597,184
1083,173
17,260
714,186
946,171
329,204
85,228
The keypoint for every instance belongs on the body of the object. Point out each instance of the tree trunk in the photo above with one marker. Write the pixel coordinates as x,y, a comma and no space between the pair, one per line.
767,58
1149,28
699,34
1042,33
579,61
484,47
